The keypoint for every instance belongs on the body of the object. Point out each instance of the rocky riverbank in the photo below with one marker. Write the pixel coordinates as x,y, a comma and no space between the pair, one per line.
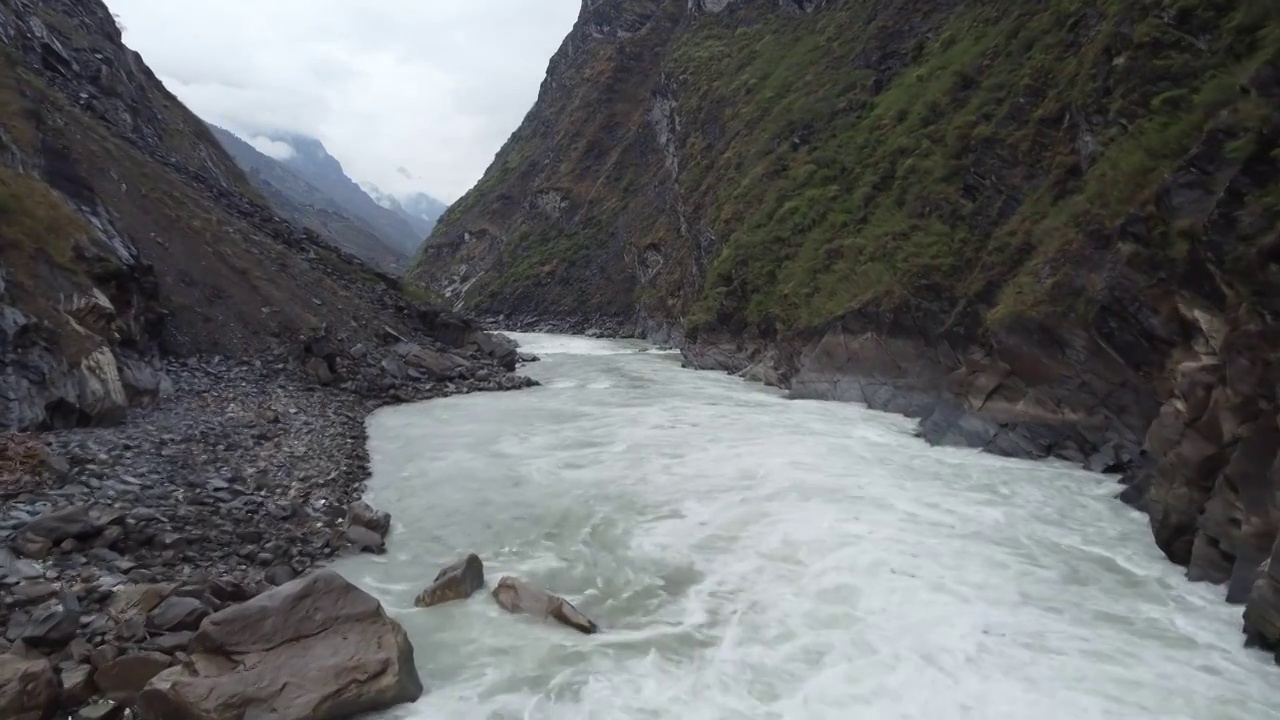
116,542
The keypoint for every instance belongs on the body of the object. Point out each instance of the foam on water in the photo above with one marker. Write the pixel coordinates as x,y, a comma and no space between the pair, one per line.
754,557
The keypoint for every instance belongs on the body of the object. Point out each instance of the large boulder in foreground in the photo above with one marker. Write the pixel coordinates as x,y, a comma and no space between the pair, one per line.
317,648
456,582
515,596
28,688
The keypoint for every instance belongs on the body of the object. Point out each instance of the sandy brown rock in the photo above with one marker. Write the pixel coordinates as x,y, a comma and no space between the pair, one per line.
456,582
317,647
28,688
515,596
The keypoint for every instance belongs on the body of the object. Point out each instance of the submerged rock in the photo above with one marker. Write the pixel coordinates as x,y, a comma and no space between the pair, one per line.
456,582
515,596
318,647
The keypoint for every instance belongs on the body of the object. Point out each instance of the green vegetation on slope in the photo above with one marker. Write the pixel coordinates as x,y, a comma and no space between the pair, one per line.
974,161
1012,135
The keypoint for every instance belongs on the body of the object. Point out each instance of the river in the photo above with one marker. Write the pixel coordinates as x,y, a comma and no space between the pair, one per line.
750,556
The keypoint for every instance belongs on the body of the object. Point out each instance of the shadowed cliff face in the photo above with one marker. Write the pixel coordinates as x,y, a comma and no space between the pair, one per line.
1043,229
126,232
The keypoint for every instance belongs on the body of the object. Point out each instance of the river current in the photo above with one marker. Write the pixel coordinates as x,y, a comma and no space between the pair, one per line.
750,556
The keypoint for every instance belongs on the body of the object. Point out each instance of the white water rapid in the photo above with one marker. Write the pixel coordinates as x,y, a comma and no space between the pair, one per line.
752,557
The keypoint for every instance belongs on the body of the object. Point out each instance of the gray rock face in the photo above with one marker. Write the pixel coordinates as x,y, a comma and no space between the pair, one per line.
48,627
317,647
456,582
515,596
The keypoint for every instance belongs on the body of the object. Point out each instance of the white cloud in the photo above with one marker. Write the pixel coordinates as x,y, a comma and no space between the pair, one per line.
277,149
433,86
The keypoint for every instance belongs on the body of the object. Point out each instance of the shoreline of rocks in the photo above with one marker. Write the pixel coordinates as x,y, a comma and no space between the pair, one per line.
117,542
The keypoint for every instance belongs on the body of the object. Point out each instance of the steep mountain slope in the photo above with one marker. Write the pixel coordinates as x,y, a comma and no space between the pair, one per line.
1045,229
313,163
420,209
127,232
304,204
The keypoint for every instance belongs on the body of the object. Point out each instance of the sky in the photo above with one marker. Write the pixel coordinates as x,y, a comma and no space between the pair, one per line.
410,95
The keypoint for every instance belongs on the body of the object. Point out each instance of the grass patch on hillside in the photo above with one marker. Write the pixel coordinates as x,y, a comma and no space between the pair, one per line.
1012,132
36,225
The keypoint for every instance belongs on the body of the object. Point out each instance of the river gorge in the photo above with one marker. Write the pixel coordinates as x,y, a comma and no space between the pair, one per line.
747,555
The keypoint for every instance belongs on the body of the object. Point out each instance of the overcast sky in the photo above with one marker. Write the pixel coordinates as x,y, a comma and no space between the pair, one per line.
431,86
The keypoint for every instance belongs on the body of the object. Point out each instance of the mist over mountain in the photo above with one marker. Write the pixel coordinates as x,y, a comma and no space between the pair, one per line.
420,209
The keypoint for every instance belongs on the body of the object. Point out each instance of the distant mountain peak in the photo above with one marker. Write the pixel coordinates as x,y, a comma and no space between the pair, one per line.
419,209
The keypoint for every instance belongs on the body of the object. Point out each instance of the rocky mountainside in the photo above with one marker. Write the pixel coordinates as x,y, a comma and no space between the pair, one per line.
420,209
129,234
306,205
312,162
184,378
1045,229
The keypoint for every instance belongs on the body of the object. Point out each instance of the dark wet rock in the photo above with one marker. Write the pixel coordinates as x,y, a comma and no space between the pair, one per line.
48,627
318,647
515,596
123,679
456,582
320,371
277,575
28,688
177,614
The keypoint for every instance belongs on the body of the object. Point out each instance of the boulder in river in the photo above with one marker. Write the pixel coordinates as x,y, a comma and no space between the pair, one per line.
361,514
456,582
28,688
317,647
515,596
365,540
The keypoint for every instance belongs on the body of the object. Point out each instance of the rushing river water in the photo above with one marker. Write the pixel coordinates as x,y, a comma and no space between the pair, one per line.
754,557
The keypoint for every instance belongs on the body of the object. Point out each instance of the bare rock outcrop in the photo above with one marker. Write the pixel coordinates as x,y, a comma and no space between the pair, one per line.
315,648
